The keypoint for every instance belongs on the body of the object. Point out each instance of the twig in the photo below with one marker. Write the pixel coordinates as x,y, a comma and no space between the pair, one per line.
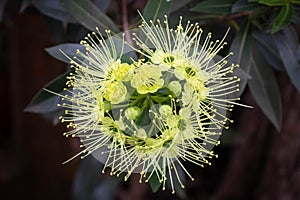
125,22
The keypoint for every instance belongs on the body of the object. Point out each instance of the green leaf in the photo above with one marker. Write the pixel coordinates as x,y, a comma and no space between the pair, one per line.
267,47
177,4
53,9
214,6
241,47
243,6
283,18
154,182
90,16
156,9
274,2
43,101
296,2
264,88
286,42
68,48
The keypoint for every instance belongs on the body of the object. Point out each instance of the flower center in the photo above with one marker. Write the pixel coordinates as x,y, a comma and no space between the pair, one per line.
190,71
169,59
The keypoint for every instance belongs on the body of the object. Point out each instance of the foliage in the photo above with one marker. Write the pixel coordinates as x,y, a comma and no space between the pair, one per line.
262,38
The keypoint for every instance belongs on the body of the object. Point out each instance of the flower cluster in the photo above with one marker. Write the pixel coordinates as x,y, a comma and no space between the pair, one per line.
152,114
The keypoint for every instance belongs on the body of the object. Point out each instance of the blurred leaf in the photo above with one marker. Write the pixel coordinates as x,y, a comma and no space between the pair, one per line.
154,182
2,6
298,52
296,11
283,18
43,101
89,184
53,9
68,48
264,89
106,190
24,5
177,4
267,47
243,5
253,1
102,4
241,47
156,9
287,44
274,2
214,6
296,2
90,16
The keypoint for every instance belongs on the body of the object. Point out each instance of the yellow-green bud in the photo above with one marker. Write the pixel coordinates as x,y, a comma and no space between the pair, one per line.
132,113
165,110
175,87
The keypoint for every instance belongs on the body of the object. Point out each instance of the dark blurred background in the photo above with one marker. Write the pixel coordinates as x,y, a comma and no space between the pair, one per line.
255,161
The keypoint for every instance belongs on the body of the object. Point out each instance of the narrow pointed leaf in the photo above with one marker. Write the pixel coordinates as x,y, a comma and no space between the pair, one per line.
283,19
267,47
264,89
241,47
53,9
273,2
45,102
243,6
214,6
89,15
68,48
287,44
156,9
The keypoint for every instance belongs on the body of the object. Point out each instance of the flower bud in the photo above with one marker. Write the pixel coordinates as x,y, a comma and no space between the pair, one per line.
175,87
165,110
132,113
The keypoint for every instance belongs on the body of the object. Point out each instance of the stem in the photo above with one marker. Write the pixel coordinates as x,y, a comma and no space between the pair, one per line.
125,22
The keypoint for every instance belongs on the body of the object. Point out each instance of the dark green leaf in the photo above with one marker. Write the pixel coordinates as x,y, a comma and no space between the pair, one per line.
177,4
286,42
250,1
53,9
214,6
154,182
267,47
68,48
156,9
2,6
45,102
264,88
243,6
242,50
283,18
296,2
274,2
89,15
